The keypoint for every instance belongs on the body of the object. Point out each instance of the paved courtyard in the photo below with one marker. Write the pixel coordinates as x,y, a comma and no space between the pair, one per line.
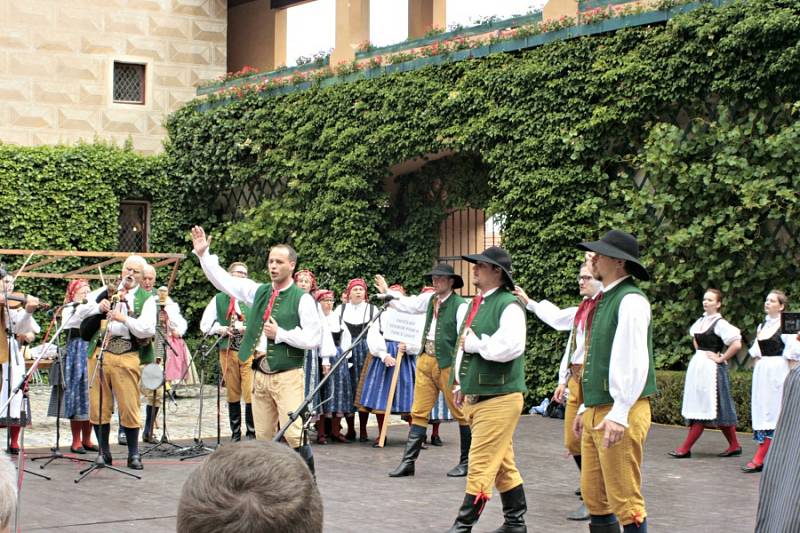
359,497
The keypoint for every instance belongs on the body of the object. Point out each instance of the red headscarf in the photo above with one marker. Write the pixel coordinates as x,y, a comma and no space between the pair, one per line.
310,274
357,282
73,287
323,293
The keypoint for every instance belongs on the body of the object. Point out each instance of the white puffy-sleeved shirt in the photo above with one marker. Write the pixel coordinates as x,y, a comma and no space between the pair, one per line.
306,336
722,329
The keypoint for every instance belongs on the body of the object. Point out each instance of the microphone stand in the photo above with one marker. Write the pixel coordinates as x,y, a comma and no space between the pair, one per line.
303,410
164,438
200,449
99,462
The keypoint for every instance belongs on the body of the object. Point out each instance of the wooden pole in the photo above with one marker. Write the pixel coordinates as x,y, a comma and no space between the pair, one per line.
392,387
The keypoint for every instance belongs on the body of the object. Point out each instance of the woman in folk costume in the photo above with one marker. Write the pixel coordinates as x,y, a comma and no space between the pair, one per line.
772,352
707,399
18,322
377,378
74,396
337,393
306,280
353,317
326,349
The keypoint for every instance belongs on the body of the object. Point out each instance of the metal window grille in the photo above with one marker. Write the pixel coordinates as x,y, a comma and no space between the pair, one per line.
134,226
463,232
129,83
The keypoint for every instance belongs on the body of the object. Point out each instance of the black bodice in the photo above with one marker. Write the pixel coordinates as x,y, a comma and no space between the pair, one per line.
708,340
773,346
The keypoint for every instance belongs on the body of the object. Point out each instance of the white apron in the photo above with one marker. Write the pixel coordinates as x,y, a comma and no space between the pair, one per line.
700,388
768,377
17,366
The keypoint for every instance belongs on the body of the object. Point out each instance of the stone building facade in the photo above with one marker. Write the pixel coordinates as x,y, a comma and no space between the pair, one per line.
104,69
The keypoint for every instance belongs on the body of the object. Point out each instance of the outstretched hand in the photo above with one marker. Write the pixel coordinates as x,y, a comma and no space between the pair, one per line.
199,240
380,284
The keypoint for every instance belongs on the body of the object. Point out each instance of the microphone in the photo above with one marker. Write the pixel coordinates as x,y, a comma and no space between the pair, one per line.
383,297
51,312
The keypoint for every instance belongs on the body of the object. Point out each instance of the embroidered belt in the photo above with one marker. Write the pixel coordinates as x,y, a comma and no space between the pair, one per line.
119,345
430,347
472,399
261,364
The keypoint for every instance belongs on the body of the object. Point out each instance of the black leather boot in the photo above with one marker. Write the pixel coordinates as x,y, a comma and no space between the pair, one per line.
248,422
134,459
413,445
604,524
460,470
468,514
514,507
103,434
148,423
235,416
308,456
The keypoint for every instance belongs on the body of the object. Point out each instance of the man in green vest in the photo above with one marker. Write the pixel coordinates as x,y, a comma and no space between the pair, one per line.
227,317
434,363
489,382
283,323
618,379
131,322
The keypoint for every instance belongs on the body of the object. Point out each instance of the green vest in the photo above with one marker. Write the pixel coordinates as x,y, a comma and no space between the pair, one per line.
598,357
146,352
446,329
223,302
479,376
280,356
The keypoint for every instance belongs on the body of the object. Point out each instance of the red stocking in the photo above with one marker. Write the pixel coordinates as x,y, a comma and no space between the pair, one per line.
75,426
761,452
435,431
730,434
695,430
15,437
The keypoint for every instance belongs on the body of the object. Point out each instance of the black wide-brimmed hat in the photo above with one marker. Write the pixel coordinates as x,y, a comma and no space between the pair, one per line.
494,255
619,245
443,269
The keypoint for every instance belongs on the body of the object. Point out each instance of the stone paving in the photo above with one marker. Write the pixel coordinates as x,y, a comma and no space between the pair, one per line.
681,495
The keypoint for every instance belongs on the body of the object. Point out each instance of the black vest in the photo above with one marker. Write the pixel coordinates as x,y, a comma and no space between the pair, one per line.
708,340
773,346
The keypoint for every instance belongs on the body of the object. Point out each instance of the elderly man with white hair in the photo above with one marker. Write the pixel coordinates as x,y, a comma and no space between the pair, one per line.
131,324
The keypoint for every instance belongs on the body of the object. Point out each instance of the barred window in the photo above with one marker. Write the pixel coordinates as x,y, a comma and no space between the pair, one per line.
128,83
134,225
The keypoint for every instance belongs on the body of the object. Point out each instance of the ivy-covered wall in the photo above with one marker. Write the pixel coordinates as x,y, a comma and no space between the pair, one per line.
685,134
700,113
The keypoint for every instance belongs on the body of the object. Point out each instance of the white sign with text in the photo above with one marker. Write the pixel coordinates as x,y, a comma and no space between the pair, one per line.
403,327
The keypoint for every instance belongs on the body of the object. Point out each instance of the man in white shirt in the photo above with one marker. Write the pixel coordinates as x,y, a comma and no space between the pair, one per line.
618,378
283,323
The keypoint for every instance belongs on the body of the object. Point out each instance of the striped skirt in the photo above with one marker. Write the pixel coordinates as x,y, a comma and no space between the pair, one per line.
440,412
358,360
337,393
779,495
378,379
75,393
313,374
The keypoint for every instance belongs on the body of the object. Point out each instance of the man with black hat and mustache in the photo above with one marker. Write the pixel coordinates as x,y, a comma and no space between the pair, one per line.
489,381
434,363
618,378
